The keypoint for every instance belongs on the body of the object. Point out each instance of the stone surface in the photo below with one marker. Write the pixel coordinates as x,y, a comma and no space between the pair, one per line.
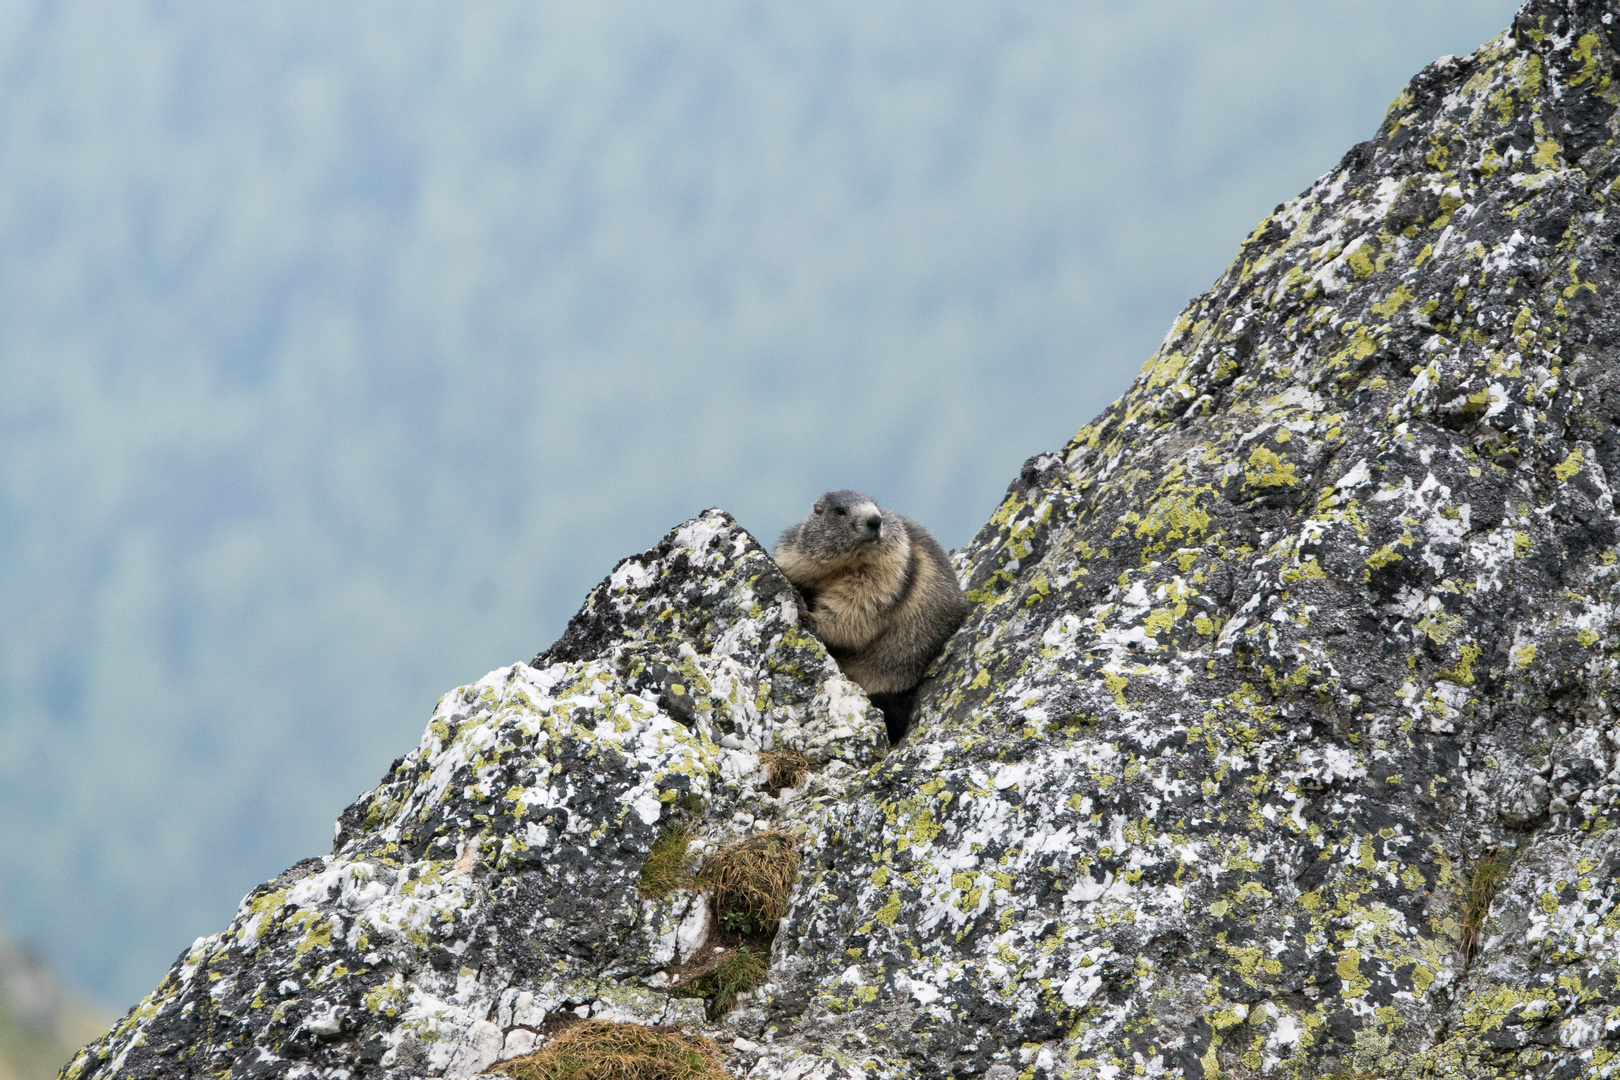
491,880
1314,618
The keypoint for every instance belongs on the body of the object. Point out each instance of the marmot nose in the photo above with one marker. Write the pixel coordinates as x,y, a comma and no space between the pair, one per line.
875,522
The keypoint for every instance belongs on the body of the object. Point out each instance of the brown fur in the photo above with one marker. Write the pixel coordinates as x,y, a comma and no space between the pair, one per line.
883,597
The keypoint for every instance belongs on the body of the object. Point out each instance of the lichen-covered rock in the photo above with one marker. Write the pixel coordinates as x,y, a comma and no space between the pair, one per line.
1273,671
492,880
1314,617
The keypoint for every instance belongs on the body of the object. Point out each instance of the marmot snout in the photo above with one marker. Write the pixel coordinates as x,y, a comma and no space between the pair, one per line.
880,592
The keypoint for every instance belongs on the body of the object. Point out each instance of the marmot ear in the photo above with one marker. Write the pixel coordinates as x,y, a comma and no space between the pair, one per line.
819,507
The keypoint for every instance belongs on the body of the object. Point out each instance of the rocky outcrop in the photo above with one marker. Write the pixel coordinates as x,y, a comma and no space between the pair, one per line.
1279,741
491,881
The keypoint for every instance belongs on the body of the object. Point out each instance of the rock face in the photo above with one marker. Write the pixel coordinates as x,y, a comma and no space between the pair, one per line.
1273,672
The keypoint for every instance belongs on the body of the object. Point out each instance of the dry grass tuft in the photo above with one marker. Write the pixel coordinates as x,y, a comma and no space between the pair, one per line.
1484,878
665,868
783,769
751,880
603,1050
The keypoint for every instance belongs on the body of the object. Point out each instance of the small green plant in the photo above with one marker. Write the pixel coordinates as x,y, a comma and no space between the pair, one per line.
603,1050
1485,876
748,883
736,972
665,868
739,972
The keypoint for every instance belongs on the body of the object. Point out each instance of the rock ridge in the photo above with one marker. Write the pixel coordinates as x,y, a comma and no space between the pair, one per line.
1279,741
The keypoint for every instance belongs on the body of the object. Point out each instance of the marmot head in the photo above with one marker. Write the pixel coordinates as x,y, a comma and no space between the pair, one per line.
841,523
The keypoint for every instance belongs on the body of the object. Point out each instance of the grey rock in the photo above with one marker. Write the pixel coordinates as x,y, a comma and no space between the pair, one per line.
1313,619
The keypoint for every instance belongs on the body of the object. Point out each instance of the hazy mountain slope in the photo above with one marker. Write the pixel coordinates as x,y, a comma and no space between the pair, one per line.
41,1023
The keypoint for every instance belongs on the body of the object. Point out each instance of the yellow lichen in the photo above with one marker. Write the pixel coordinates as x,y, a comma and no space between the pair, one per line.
1266,468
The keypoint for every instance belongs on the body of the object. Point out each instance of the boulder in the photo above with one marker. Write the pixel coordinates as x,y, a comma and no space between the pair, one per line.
1278,742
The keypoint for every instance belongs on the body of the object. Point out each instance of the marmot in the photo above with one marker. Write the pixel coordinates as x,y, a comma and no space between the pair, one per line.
879,592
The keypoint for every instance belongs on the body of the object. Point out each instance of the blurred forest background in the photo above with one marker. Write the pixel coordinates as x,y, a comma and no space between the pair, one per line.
344,346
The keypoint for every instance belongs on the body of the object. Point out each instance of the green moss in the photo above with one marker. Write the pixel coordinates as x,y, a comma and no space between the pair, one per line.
1485,876
665,868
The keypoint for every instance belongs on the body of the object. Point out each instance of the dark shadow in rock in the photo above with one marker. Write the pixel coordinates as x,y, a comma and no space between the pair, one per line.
896,709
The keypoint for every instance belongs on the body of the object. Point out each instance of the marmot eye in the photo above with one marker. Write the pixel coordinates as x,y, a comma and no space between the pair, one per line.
840,511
